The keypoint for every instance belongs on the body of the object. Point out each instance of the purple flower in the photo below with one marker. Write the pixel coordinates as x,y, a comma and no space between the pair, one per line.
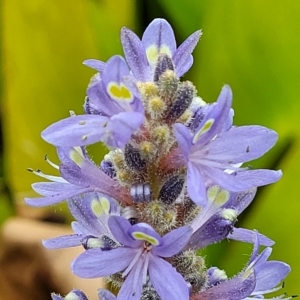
78,175
216,219
215,150
91,212
158,38
117,111
142,254
258,278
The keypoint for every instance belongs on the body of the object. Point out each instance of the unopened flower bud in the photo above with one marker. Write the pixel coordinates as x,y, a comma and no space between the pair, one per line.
133,158
184,97
171,189
164,63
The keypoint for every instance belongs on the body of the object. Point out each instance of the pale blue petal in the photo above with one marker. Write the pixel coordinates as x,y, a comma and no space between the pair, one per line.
135,55
97,263
106,295
167,282
272,273
236,288
241,144
76,131
183,138
98,65
65,241
196,185
248,236
119,228
159,33
132,287
182,58
173,242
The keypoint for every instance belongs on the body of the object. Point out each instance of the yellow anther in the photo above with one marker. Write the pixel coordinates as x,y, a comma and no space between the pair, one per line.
81,122
84,137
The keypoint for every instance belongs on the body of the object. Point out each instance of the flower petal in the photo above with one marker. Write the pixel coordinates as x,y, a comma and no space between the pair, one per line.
132,287
160,273
214,120
65,241
183,138
76,131
196,185
158,38
106,295
241,144
248,236
97,263
236,288
119,228
182,58
272,273
135,55
173,242
98,65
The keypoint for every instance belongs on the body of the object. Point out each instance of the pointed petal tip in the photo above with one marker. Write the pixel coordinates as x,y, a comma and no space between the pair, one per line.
32,202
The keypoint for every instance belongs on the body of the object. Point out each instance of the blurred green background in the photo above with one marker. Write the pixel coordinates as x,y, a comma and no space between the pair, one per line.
254,46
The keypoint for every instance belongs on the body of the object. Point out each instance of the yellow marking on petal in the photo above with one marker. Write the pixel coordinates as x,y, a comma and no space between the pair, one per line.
205,128
152,52
212,192
145,237
76,155
119,92
100,207
217,195
222,197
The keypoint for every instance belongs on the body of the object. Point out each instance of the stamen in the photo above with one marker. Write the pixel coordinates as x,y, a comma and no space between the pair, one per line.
38,172
133,262
55,166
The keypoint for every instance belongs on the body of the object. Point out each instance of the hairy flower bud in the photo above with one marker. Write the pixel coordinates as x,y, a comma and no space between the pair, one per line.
185,94
133,158
164,63
171,189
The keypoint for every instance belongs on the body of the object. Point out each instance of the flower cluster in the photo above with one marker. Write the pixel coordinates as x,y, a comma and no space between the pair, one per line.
172,183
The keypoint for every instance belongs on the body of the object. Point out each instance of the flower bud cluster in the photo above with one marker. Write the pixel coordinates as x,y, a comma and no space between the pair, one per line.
171,184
